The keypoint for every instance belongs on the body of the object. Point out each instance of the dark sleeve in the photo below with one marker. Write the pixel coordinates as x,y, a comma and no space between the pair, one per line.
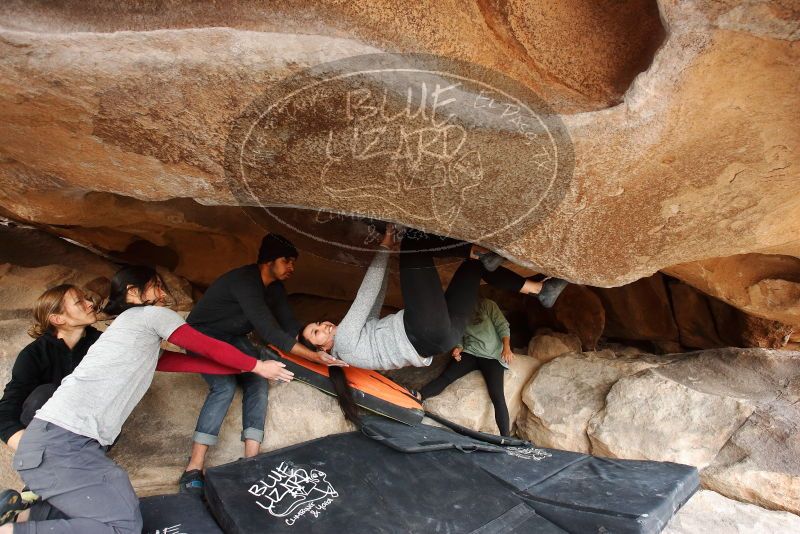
278,302
250,295
25,377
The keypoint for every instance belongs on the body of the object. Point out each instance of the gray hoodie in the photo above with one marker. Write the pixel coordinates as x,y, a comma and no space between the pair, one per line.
364,340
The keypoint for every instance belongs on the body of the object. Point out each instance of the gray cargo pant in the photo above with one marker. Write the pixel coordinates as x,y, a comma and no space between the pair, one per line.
73,474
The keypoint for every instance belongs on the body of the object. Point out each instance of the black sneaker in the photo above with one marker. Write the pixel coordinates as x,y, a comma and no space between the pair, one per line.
192,482
11,504
551,289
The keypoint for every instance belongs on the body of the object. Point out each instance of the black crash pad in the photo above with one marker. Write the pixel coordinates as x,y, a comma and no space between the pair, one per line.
354,483
350,483
578,492
584,493
177,514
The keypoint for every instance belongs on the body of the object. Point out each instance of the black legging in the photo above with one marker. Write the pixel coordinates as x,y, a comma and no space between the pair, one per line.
435,320
492,371
34,401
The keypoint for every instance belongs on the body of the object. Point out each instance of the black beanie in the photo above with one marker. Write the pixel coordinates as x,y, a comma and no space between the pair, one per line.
275,246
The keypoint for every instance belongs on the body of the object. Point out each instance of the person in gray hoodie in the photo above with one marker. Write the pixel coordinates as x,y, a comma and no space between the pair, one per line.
433,321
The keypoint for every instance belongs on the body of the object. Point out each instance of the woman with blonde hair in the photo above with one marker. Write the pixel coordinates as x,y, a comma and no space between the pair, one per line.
62,334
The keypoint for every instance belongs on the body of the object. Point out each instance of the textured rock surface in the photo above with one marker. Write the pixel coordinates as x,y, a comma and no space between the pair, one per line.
566,393
730,412
116,138
546,346
157,439
694,317
760,462
764,285
668,314
617,39
649,417
710,512
32,261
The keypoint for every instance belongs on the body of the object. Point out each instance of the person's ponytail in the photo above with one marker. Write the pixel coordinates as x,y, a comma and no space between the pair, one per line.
344,393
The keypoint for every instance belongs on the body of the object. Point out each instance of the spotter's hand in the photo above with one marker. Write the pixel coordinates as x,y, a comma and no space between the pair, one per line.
330,361
273,370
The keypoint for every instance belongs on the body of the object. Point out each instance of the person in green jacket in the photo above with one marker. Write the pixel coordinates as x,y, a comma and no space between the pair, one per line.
486,346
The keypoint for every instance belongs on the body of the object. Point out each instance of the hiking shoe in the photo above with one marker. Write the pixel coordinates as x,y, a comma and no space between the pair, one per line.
192,482
551,289
490,260
28,497
11,504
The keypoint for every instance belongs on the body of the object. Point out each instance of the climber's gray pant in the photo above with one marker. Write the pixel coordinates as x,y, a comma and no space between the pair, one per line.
72,474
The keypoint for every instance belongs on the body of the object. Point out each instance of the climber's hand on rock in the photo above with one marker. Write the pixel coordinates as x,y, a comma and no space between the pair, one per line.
389,241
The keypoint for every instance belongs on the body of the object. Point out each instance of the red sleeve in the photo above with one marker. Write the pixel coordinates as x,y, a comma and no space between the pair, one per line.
190,339
177,362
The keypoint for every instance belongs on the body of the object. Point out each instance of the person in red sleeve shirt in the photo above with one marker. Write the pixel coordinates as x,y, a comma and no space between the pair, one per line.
62,454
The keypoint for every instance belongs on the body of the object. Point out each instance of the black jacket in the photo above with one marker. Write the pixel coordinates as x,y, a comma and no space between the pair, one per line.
45,361
237,303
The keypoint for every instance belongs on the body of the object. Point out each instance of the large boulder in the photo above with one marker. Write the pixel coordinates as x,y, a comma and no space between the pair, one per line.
547,345
759,464
566,393
115,135
763,285
650,417
730,412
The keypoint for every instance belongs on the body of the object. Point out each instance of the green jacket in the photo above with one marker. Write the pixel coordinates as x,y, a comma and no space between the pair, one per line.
485,338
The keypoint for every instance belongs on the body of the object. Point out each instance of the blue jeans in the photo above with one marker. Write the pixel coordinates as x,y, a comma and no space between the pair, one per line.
220,395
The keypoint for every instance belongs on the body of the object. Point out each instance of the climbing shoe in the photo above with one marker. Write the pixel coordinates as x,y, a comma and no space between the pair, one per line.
191,482
490,260
551,289
12,503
